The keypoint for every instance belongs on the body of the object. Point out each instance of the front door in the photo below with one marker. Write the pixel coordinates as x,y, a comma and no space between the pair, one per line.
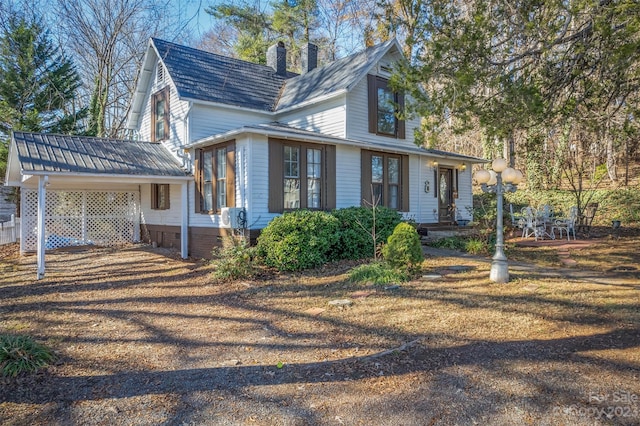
446,207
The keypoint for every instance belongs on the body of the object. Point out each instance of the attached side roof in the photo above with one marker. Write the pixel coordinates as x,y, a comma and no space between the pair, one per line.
39,153
280,130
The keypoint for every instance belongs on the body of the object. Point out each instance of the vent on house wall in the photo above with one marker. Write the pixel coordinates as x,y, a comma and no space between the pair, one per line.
385,69
160,73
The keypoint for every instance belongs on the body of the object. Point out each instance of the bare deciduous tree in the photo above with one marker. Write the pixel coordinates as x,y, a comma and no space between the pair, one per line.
110,37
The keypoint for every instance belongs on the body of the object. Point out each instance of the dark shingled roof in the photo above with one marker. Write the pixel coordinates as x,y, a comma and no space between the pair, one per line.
335,76
39,152
210,77
206,76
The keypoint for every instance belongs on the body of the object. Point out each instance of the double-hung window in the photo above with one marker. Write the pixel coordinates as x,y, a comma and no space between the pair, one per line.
160,115
215,170
301,176
385,180
384,107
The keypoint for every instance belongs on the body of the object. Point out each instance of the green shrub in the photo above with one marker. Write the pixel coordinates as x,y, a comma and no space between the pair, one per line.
403,248
233,261
449,243
355,225
21,354
475,246
378,273
298,240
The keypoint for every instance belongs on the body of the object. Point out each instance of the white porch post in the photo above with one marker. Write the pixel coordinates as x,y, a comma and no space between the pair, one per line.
184,226
42,197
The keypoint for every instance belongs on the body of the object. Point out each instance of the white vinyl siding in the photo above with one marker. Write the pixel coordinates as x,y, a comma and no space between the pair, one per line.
207,120
328,117
358,119
348,176
170,216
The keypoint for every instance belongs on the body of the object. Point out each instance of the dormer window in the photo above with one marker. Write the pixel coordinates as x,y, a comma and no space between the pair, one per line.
384,106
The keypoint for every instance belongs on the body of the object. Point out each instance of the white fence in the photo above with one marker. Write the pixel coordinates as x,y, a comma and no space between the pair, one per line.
81,217
10,231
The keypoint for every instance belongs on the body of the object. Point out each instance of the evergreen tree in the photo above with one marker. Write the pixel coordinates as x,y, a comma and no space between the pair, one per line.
37,82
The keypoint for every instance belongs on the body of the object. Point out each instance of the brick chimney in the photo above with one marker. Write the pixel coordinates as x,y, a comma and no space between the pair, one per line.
309,57
277,58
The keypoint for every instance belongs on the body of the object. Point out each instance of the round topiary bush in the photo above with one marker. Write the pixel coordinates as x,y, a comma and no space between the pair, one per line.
298,240
403,248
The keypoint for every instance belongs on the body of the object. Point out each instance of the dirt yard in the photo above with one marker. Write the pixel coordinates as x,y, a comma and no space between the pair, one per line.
145,338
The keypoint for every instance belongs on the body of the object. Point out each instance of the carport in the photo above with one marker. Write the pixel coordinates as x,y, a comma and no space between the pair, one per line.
78,190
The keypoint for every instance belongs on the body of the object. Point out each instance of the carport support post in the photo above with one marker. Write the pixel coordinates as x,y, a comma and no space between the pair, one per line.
42,198
184,225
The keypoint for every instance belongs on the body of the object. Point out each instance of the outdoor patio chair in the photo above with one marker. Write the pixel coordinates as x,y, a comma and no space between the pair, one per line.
567,225
585,219
533,226
517,220
546,212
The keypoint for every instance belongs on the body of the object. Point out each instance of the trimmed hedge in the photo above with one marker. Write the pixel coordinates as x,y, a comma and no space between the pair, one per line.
305,239
298,240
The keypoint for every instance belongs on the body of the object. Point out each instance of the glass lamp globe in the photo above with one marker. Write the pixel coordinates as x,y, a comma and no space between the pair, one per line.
482,176
519,177
494,178
499,164
509,175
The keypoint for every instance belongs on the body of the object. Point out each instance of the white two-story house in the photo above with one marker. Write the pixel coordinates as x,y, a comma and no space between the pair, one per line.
262,141
221,143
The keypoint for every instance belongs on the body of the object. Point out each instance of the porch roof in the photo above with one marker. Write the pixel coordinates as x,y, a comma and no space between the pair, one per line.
64,155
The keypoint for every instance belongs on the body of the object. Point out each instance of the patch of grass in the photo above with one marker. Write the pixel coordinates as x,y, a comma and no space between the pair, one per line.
21,354
377,273
449,243
475,246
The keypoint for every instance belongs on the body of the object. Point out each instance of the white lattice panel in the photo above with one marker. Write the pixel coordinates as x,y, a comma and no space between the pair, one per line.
104,218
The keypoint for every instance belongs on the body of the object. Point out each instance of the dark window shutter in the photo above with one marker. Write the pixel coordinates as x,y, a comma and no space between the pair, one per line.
372,103
154,196
455,186
165,95
197,164
330,178
405,183
401,123
154,100
276,177
435,182
231,174
365,179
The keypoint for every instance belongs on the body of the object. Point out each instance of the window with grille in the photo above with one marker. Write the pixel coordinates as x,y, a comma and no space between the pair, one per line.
384,107
215,178
301,176
160,115
385,179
